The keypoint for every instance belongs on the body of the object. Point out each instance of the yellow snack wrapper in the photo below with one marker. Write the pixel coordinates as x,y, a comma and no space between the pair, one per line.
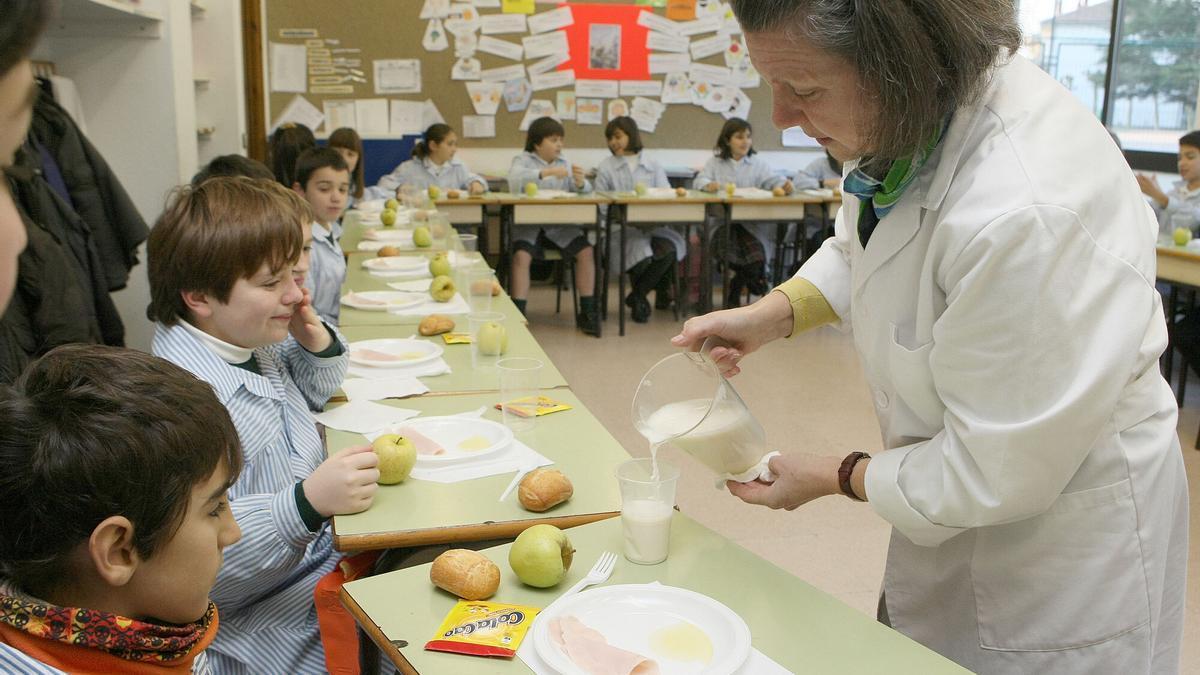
533,406
483,629
457,338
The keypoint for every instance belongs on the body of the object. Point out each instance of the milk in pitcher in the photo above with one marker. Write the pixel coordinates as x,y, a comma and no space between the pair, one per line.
728,440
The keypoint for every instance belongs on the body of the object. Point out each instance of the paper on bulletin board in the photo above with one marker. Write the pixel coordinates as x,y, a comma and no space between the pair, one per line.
598,29
516,6
499,24
289,68
655,22
371,116
300,111
647,113
502,48
517,94
706,24
332,89
465,69
681,10
537,108
485,96
435,37
589,111
641,87
719,99
708,46
552,20
435,9
617,107
738,107
669,63
502,74
479,126
565,105
702,72
298,32
549,63
407,117
339,113
463,18
465,44
735,51
745,75
663,42
554,79
486,3
597,88
431,115
397,76
545,44
677,88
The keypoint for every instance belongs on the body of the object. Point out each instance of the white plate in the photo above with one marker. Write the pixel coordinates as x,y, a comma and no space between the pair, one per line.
389,234
390,300
752,193
371,205
397,263
452,432
627,615
551,194
419,351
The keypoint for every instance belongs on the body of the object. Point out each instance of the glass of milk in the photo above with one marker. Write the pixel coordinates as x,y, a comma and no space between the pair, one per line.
647,503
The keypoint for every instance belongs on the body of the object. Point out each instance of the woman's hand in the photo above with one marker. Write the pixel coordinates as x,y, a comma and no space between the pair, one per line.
1151,189
745,329
801,478
307,327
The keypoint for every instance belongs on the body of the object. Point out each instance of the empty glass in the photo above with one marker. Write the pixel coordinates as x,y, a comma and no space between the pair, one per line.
520,380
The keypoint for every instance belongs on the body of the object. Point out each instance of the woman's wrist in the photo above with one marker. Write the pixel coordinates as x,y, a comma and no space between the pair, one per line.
774,314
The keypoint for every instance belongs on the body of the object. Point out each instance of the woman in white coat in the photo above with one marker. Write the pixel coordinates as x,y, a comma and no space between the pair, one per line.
1004,311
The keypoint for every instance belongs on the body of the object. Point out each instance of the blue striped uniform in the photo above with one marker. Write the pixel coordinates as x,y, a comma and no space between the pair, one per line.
525,169
265,587
326,272
13,662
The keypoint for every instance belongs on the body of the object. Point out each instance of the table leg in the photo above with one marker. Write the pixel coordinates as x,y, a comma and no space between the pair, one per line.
621,272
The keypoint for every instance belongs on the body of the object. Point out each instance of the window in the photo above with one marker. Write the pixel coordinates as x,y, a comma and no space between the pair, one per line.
1146,89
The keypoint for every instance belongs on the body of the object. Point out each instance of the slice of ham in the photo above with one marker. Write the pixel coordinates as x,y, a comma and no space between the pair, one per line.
424,444
589,650
362,300
378,355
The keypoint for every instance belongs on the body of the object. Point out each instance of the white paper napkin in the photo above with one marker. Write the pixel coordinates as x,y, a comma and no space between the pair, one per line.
427,369
417,273
375,389
456,305
515,457
761,471
361,417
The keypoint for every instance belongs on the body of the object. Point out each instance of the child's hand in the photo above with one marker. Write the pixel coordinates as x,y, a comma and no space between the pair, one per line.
344,483
788,188
832,183
307,328
1151,189
577,174
711,187
476,188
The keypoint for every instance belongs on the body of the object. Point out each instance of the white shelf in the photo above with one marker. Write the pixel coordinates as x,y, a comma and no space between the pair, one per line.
112,18
198,8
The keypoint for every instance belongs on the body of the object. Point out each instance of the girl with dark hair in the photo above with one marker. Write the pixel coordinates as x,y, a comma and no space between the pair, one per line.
349,145
288,142
649,255
432,163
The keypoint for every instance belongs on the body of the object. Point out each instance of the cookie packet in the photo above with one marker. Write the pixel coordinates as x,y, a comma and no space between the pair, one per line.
483,628
533,406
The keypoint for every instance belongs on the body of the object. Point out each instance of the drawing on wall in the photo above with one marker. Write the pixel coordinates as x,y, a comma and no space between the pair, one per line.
604,46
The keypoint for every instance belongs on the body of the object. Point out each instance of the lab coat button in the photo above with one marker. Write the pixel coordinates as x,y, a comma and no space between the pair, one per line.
881,398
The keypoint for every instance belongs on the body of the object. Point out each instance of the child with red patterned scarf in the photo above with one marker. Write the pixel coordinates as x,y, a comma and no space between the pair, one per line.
114,467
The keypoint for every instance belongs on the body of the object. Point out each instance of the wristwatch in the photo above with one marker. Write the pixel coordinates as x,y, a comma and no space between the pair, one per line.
847,470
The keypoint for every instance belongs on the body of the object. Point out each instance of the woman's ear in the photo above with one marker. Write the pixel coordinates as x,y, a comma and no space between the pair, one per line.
112,551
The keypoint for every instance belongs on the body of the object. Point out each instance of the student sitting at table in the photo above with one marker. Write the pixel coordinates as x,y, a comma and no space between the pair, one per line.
648,255
432,163
233,165
323,180
734,164
1181,206
114,467
288,142
543,165
228,309
349,145
821,173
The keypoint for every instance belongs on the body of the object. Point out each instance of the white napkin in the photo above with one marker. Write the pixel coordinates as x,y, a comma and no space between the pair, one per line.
391,236
427,369
363,416
418,273
515,457
752,193
455,305
760,471
374,389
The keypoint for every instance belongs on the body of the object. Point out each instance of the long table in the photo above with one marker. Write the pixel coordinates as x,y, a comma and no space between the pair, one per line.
418,512
798,626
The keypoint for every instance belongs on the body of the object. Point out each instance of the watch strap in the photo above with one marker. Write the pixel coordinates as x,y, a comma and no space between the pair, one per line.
846,470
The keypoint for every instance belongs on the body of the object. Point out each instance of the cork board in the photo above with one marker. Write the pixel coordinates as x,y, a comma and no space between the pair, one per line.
387,29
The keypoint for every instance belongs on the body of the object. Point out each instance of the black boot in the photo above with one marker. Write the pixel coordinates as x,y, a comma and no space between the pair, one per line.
639,307
733,294
664,290
757,281
588,319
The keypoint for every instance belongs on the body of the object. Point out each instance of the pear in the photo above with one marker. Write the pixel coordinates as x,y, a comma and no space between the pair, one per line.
640,189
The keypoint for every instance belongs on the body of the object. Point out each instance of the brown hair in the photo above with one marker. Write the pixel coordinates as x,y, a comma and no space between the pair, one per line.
436,133
211,235
918,60
88,432
732,126
233,165
348,139
318,158
288,142
629,127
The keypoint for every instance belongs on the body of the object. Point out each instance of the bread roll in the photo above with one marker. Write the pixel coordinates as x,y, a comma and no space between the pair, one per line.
542,489
465,573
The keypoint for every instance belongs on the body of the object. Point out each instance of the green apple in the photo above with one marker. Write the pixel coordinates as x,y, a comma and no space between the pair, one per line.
541,556
397,455
1182,236
730,188
493,339
530,189
440,266
442,288
422,238
388,217
391,204
434,192
640,189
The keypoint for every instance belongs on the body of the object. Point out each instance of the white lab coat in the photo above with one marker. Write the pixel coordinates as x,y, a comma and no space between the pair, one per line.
1008,326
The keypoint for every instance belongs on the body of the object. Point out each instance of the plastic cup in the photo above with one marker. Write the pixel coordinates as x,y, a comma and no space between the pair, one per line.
489,339
647,504
469,242
520,379
476,287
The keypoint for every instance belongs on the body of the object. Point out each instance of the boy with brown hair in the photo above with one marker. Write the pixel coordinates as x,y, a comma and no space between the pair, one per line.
114,467
221,263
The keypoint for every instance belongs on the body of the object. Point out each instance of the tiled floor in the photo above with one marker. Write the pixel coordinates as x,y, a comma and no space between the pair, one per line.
809,389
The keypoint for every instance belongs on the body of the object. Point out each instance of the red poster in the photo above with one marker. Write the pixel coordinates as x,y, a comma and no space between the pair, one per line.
607,43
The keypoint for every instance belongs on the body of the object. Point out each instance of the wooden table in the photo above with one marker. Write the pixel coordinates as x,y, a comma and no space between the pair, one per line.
462,378
1179,265
780,210
800,627
633,211
417,512
466,211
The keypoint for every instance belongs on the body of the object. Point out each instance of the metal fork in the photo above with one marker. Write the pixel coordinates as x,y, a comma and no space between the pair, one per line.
599,573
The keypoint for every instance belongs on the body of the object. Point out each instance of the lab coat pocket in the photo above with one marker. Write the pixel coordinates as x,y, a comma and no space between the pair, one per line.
1068,578
912,379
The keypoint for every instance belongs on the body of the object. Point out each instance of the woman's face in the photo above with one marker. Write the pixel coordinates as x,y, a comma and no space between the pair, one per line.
814,90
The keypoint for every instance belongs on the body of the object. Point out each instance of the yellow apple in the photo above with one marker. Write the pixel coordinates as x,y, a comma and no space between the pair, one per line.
388,217
434,192
422,238
730,188
1182,236
391,204
541,556
440,266
640,189
530,189
492,339
397,455
442,289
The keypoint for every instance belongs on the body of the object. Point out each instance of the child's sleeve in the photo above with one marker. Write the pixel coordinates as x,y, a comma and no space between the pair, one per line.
765,177
707,175
660,177
520,172
604,179
317,377
809,178
388,183
468,178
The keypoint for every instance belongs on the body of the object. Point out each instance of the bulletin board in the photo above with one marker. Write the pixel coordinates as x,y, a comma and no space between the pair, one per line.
330,51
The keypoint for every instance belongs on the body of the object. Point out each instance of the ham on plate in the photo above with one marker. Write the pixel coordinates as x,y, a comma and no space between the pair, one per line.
424,444
588,649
